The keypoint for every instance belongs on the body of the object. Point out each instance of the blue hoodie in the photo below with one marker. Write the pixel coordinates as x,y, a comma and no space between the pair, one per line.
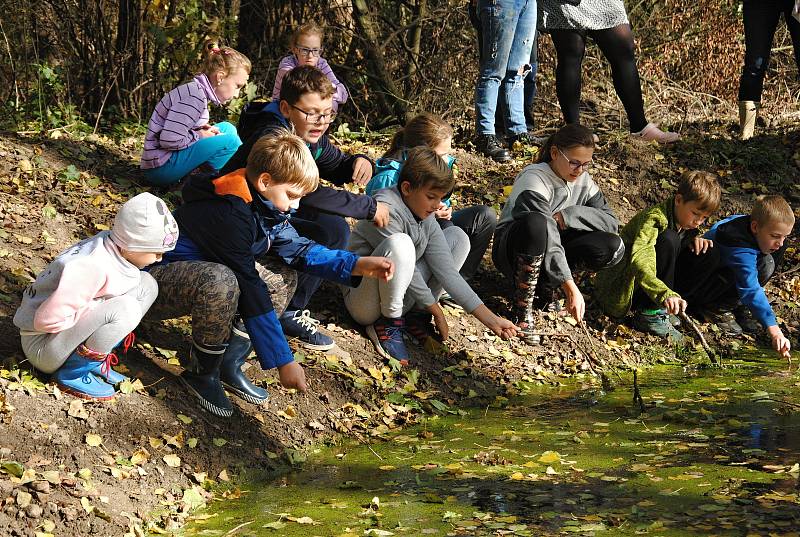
739,251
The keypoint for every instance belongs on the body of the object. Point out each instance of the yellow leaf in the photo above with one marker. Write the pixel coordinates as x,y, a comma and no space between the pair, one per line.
93,440
172,460
139,456
88,507
185,419
101,227
517,476
376,374
549,457
156,443
387,467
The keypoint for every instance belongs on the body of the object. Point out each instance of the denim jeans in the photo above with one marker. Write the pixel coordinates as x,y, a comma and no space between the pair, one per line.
216,150
508,32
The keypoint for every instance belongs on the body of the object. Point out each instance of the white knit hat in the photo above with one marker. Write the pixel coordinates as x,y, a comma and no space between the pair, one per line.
144,224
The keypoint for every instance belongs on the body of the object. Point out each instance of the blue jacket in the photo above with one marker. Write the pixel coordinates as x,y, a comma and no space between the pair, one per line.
225,221
738,251
387,173
260,119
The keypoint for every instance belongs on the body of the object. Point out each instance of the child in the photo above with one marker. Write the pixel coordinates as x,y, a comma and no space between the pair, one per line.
92,296
426,258
555,218
750,250
227,226
179,137
477,222
306,43
306,107
663,251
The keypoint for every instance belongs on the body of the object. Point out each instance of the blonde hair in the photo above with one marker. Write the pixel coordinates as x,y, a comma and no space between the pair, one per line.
309,28
286,158
223,59
702,187
769,209
423,129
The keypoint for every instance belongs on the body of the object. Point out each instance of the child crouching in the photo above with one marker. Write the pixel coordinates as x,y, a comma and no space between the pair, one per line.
90,297
427,260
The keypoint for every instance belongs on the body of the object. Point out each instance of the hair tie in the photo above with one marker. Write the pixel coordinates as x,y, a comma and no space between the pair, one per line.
215,50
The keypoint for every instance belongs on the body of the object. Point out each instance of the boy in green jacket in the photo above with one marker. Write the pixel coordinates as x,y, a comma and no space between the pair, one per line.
663,250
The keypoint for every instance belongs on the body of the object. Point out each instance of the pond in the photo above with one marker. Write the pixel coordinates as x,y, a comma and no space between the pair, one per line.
715,452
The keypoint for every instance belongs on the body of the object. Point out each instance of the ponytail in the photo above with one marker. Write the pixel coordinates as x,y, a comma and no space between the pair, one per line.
423,129
226,59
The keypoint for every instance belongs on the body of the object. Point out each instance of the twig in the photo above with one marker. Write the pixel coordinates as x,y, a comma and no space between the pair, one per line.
637,396
237,528
373,452
712,355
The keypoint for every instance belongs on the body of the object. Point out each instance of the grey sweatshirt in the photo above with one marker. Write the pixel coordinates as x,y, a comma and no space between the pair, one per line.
429,244
538,189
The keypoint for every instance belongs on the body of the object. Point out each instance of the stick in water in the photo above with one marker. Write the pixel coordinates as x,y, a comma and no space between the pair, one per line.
712,355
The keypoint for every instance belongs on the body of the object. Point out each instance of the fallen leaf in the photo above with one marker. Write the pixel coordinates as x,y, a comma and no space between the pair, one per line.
93,440
172,460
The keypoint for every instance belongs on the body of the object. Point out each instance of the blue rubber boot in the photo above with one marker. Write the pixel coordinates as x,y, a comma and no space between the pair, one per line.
75,376
109,375
230,372
202,379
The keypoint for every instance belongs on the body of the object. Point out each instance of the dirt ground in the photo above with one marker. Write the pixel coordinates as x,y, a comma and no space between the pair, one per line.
145,460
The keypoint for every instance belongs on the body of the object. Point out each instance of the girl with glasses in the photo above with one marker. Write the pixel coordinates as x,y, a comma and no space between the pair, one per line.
555,219
306,46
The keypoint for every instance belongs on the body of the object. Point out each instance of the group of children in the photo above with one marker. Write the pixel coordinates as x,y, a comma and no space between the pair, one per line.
257,232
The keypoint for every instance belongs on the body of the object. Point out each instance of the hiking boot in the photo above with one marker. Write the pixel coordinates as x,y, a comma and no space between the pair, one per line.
656,322
724,319
109,375
526,278
204,383
299,324
489,145
230,371
418,325
526,139
75,374
387,336
745,319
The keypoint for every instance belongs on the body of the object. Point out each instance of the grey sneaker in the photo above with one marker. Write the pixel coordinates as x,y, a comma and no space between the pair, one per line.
656,322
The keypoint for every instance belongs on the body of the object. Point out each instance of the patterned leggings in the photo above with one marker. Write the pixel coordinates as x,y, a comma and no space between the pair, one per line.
209,293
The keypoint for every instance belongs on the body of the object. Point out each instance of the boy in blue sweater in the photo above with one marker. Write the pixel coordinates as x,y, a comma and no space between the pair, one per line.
306,108
217,269
749,249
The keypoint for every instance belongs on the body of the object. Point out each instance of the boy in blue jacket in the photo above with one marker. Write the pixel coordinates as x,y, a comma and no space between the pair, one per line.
749,249
306,106
227,225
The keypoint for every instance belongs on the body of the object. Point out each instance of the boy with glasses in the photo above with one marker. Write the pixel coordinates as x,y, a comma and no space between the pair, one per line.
555,219
307,50
306,107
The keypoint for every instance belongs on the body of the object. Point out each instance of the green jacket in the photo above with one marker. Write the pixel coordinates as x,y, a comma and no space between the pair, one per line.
614,286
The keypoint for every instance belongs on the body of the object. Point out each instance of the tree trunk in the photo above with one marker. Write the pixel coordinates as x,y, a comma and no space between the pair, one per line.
414,43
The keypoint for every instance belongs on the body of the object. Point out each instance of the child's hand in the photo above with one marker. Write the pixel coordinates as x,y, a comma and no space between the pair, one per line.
381,218
362,171
780,344
439,320
675,305
292,375
559,218
503,327
380,268
575,305
701,245
206,132
444,212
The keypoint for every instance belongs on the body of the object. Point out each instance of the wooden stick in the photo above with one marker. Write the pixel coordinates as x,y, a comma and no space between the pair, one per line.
712,355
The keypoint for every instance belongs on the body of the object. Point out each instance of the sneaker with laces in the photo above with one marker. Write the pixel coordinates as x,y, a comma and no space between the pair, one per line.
387,336
656,322
489,145
724,319
418,325
299,324
745,319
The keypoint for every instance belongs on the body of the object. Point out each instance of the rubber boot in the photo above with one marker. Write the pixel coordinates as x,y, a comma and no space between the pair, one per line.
204,382
525,283
748,112
109,375
75,375
230,371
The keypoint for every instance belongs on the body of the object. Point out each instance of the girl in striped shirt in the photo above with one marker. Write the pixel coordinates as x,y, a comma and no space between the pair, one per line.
179,137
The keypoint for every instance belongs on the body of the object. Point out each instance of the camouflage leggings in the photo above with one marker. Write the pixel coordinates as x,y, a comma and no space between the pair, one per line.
209,293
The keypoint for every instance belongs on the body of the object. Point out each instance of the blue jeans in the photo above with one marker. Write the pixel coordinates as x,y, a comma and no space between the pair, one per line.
215,150
508,31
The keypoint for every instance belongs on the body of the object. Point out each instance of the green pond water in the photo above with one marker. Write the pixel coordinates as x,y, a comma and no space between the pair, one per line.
708,457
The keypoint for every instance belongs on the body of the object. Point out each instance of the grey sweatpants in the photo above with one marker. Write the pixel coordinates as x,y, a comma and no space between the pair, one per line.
100,328
373,298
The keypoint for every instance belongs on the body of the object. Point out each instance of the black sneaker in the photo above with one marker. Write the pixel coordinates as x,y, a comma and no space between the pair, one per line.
746,320
724,319
526,139
489,145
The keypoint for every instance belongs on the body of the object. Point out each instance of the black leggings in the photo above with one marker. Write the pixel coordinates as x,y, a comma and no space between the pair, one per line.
617,46
528,235
760,21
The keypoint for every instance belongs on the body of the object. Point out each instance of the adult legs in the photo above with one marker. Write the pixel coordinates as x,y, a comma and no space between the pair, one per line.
570,47
617,46
519,69
479,223
760,21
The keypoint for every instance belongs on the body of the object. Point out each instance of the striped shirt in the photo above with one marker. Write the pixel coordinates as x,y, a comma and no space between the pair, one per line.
290,62
175,121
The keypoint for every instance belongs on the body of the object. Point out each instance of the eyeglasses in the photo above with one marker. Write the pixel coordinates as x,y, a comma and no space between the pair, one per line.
314,117
305,51
576,165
